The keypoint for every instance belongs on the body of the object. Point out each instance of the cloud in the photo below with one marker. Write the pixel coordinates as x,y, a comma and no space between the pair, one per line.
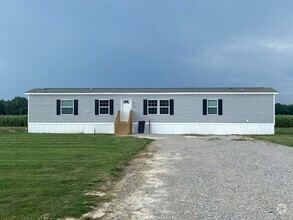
247,62
226,53
277,46
254,45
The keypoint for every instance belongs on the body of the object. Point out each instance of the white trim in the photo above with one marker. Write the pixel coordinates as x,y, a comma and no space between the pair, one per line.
274,108
181,123
66,107
158,106
53,123
87,128
121,106
125,99
217,101
104,106
28,109
161,93
208,128
157,128
200,123
148,107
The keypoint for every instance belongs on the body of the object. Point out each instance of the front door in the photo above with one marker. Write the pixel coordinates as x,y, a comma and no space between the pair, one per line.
126,106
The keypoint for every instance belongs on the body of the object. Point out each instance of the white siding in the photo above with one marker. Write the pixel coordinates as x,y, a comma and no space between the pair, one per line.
88,128
208,128
157,128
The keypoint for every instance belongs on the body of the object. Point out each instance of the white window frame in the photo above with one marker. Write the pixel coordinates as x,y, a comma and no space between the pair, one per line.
213,106
158,106
104,106
61,107
152,106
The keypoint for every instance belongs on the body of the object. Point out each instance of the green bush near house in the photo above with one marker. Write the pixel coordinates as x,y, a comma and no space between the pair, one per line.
284,121
13,120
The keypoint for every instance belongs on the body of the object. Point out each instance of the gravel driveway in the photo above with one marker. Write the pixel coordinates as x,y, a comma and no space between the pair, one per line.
207,177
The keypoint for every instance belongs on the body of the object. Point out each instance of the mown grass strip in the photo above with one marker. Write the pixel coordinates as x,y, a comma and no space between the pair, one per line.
46,176
282,136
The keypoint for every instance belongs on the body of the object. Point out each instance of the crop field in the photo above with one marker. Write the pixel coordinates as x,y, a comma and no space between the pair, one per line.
284,121
13,121
46,176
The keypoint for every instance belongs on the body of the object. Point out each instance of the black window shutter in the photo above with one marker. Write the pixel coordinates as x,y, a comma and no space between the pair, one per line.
145,106
58,107
111,107
204,106
220,106
97,109
171,106
75,107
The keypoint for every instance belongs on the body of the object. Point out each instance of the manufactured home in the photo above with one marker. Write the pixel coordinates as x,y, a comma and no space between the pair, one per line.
217,111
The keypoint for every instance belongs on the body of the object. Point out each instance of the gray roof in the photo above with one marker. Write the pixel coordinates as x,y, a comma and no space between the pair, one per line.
150,90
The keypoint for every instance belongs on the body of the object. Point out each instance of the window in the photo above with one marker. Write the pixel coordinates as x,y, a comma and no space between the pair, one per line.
164,107
104,106
153,107
158,107
212,107
67,107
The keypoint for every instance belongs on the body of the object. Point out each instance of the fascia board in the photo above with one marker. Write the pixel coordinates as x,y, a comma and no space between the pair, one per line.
162,93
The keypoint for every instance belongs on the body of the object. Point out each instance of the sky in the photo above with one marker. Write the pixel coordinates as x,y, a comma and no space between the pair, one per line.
146,43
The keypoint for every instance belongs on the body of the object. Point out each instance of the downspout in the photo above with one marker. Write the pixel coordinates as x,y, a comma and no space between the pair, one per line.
149,126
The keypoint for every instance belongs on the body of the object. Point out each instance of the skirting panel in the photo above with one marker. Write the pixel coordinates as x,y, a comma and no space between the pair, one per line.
157,128
87,128
207,128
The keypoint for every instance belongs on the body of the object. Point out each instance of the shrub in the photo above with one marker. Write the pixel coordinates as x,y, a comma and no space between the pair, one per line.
284,121
13,121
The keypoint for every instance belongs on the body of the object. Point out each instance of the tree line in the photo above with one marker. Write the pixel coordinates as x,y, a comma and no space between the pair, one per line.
15,106
282,109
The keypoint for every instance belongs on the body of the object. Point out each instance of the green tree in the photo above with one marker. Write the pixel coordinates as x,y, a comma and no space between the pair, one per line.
16,106
290,109
282,109
2,107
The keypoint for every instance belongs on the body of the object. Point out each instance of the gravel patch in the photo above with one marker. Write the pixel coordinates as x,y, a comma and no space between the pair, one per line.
206,177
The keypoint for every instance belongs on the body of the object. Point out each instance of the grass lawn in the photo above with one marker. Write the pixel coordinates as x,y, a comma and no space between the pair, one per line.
283,136
46,176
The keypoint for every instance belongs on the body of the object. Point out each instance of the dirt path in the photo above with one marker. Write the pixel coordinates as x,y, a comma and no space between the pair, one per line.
129,196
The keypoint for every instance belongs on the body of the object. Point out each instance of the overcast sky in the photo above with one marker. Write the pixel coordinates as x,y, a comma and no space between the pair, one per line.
146,43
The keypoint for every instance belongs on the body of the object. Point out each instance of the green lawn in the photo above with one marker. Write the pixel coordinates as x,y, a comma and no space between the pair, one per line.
46,176
282,136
